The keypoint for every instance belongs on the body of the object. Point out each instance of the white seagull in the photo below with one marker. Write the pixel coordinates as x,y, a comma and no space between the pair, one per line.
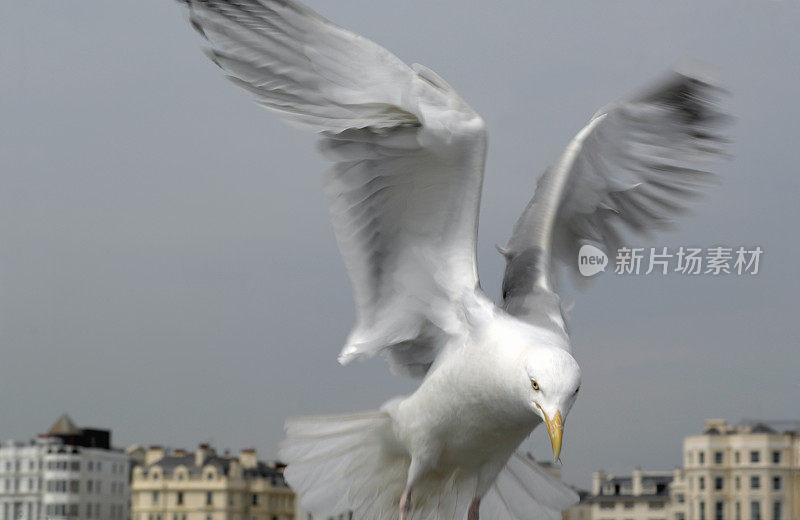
404,193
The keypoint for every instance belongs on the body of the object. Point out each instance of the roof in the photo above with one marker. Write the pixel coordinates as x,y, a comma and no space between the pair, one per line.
64,426
627,498
222,464
752,426
622,487
772,426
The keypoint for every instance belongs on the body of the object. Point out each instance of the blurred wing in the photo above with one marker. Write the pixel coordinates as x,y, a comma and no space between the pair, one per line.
634,165
524,490
409,153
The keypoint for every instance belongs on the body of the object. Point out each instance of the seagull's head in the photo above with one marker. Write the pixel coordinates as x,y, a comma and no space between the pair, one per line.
553,382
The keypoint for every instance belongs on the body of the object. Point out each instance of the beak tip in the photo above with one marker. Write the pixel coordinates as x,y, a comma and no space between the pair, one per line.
555,428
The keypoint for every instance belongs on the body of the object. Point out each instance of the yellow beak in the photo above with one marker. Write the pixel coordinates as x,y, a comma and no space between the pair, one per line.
555,427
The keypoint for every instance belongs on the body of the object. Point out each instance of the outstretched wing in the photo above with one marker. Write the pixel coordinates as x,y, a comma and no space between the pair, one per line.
634,165
409,156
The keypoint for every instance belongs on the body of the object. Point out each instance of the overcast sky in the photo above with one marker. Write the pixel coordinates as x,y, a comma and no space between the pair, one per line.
167,268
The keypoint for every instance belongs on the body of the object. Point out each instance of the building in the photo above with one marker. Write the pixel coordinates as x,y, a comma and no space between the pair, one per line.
750,471
66,473
580,511
640,496
179,485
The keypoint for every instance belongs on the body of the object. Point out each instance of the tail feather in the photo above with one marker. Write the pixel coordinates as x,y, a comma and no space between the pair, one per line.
342,463
524,490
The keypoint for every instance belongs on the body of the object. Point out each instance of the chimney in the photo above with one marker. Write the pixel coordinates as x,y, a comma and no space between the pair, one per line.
717,424
153,455
597,482
637,482
203,453
248,458
179,452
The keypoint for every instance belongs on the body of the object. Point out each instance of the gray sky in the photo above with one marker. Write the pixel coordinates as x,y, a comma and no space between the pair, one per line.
167,268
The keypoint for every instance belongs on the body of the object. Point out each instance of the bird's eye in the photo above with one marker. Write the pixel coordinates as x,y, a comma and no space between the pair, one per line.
535,385
578,389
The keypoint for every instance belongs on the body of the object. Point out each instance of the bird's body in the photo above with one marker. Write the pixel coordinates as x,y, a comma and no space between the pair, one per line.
454,435
451,437
404,194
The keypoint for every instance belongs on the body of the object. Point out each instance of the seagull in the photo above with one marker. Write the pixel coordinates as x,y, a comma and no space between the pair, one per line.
404,193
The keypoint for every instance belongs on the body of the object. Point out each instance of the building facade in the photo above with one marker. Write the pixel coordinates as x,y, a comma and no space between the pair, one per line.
67,473
749,471
179,485
640,496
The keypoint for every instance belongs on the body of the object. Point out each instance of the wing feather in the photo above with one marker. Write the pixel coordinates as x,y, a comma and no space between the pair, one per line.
409,154
633,167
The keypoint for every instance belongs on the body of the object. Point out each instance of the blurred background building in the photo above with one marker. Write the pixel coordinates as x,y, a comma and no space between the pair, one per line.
639,496
68,472
204,485
748,471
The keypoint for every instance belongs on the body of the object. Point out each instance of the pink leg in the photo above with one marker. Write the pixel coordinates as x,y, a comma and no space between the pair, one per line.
474,508
405,504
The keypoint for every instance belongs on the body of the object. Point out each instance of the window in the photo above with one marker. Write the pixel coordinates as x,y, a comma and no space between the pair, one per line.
655,505
89,486
155,497
606,505
209,498
776,483
738,508
680,498
738,482
717,457
702,510
180,499
701,483
755,482
719,483
776,510
719,509
737,457
776,457
755,457
628,505
701,458
755,510
254,500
